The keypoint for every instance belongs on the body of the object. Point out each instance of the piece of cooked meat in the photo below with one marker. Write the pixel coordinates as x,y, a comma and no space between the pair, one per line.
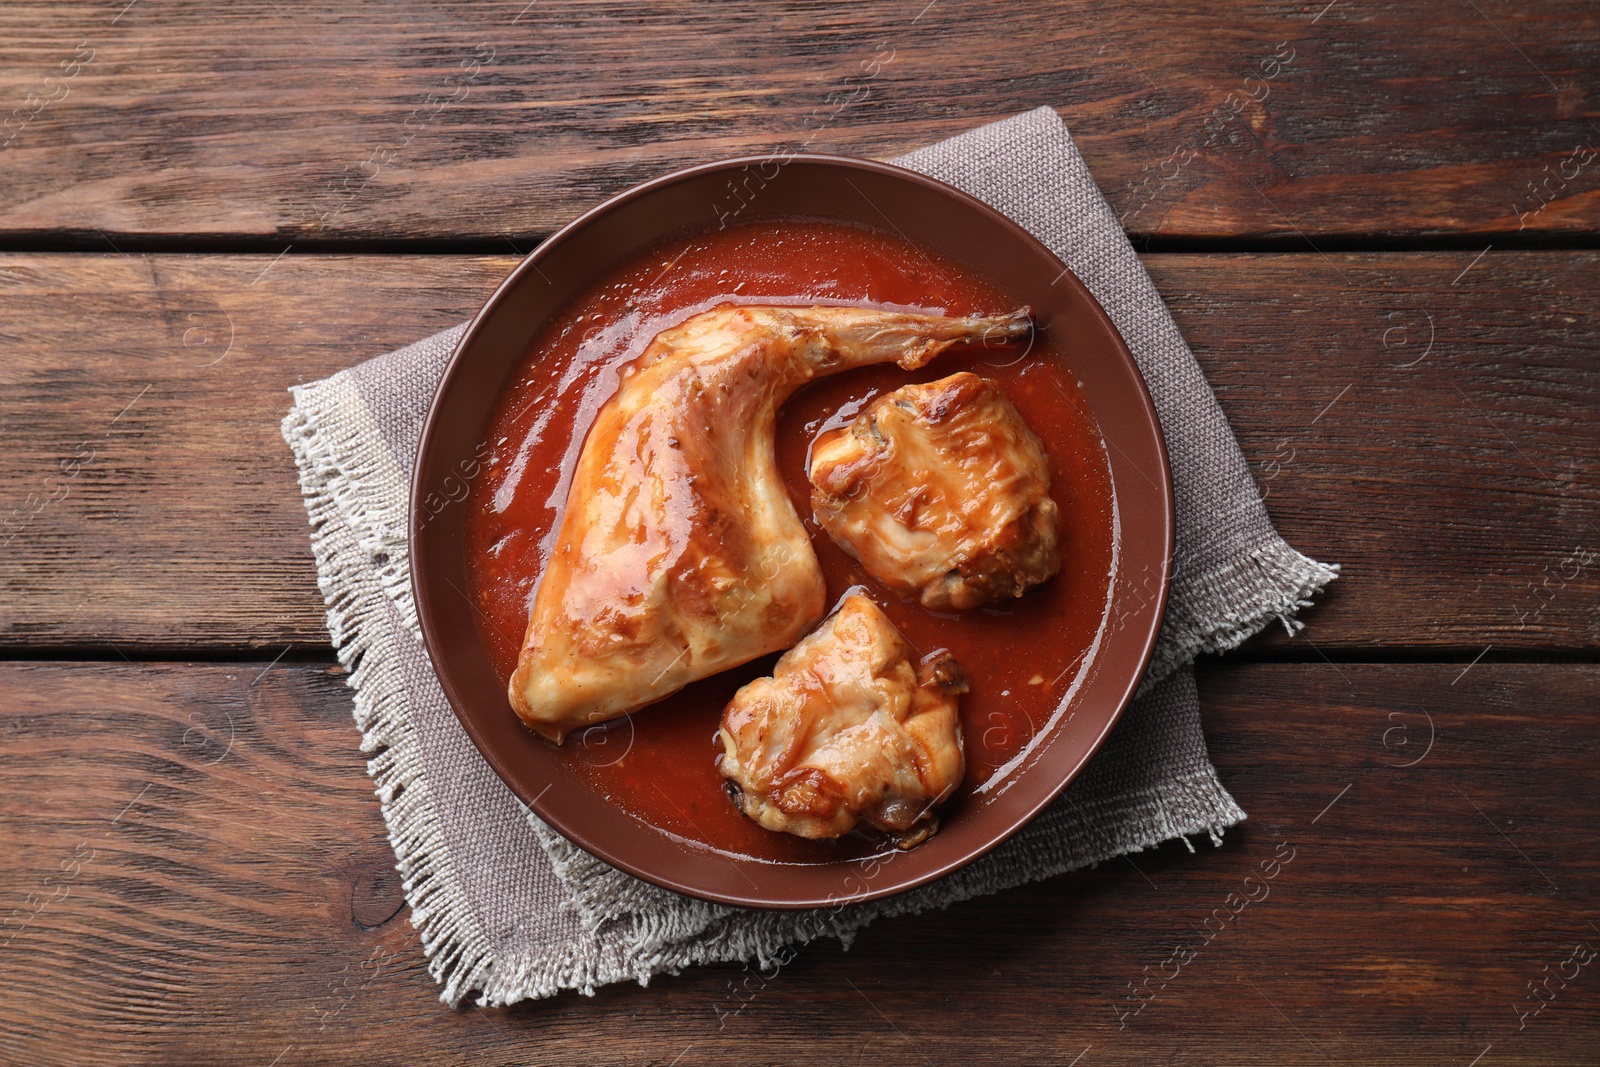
680,553
942,492
847,729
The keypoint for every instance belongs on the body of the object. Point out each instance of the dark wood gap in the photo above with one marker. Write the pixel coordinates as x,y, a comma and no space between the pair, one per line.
98,242
1307,654
148,655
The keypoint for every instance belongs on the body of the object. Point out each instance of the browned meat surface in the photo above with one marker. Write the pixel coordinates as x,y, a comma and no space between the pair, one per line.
846,730
942,492
680,554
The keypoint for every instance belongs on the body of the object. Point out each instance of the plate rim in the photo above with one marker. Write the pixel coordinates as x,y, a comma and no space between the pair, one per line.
426,613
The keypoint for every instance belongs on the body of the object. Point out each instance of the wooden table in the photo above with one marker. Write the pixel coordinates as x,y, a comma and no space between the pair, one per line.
1377,225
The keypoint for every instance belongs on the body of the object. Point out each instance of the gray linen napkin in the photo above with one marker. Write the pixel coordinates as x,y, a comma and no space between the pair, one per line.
508,907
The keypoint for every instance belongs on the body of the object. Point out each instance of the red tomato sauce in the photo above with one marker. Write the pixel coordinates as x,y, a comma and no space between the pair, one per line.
1021,658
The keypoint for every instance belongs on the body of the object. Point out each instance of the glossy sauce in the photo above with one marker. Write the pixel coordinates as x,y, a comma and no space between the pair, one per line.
1021,658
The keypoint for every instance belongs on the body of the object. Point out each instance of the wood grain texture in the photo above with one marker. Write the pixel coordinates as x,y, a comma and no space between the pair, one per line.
196,869
334,121
149,504
197,872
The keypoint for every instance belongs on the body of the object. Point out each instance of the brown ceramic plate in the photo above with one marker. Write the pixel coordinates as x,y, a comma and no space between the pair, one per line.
935,217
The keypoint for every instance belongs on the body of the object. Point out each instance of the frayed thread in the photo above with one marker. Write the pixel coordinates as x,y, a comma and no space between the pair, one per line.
334,453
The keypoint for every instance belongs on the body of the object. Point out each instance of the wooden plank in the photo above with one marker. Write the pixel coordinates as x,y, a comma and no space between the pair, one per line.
149,504
1429,422
247,119
143,429
197,872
